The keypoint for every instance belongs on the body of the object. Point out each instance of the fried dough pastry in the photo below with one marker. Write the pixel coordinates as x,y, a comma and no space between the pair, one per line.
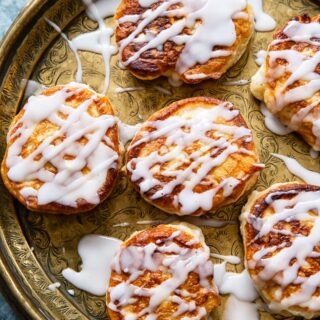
280,228
165,273
63,151
289,80
193,157
187,40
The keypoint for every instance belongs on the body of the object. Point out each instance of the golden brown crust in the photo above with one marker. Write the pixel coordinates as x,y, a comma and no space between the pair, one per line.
236,165
208,299
153,63
100,106
258,208
266,89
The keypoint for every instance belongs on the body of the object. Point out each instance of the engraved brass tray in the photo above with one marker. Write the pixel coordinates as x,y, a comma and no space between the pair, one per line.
35,248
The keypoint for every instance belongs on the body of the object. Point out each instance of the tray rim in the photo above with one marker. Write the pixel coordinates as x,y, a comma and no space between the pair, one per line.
31,8
15,35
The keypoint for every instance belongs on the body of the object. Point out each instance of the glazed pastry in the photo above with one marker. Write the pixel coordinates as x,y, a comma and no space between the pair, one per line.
164,273
187,40
193,157
63,151
289,80
280,228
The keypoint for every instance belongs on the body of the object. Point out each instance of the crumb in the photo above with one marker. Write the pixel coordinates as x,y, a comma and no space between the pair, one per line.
54,286
71,292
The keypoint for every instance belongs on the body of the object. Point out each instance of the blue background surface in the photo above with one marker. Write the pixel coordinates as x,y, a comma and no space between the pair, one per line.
9,9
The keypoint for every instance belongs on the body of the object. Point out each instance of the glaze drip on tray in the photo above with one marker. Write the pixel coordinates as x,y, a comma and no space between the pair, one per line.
273,123
263,22
239,287
98,41
297,169
96,253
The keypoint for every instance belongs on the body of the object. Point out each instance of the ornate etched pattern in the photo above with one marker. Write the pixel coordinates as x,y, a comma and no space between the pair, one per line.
34,50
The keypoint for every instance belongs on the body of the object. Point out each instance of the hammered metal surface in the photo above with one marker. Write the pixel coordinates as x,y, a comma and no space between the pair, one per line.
33,50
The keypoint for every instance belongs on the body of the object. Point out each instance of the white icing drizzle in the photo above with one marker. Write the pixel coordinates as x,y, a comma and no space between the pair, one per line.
175,81
103,7
298,170
169,257
260,57
68,183
180,132
273,123
54,286
285,265
196,76
241,82
122,225
238,284
156,87
238,309
302,32
217,29
229,259
156,222
98,41
129,89
96,253
71,292
301,66
79,72
127,132
240,287
162,90
32,87
240,15
260,165
263,21
314,154
198,221
204,222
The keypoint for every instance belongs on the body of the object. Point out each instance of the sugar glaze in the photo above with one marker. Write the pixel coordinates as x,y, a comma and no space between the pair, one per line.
297,169
263,21
241,291
273,123
96,253
198,221
238,309
260,57
98,41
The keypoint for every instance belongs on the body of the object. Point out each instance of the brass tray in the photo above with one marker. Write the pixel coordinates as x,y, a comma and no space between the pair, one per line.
33,50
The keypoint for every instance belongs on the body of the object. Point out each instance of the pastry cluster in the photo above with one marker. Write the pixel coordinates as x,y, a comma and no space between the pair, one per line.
190,158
